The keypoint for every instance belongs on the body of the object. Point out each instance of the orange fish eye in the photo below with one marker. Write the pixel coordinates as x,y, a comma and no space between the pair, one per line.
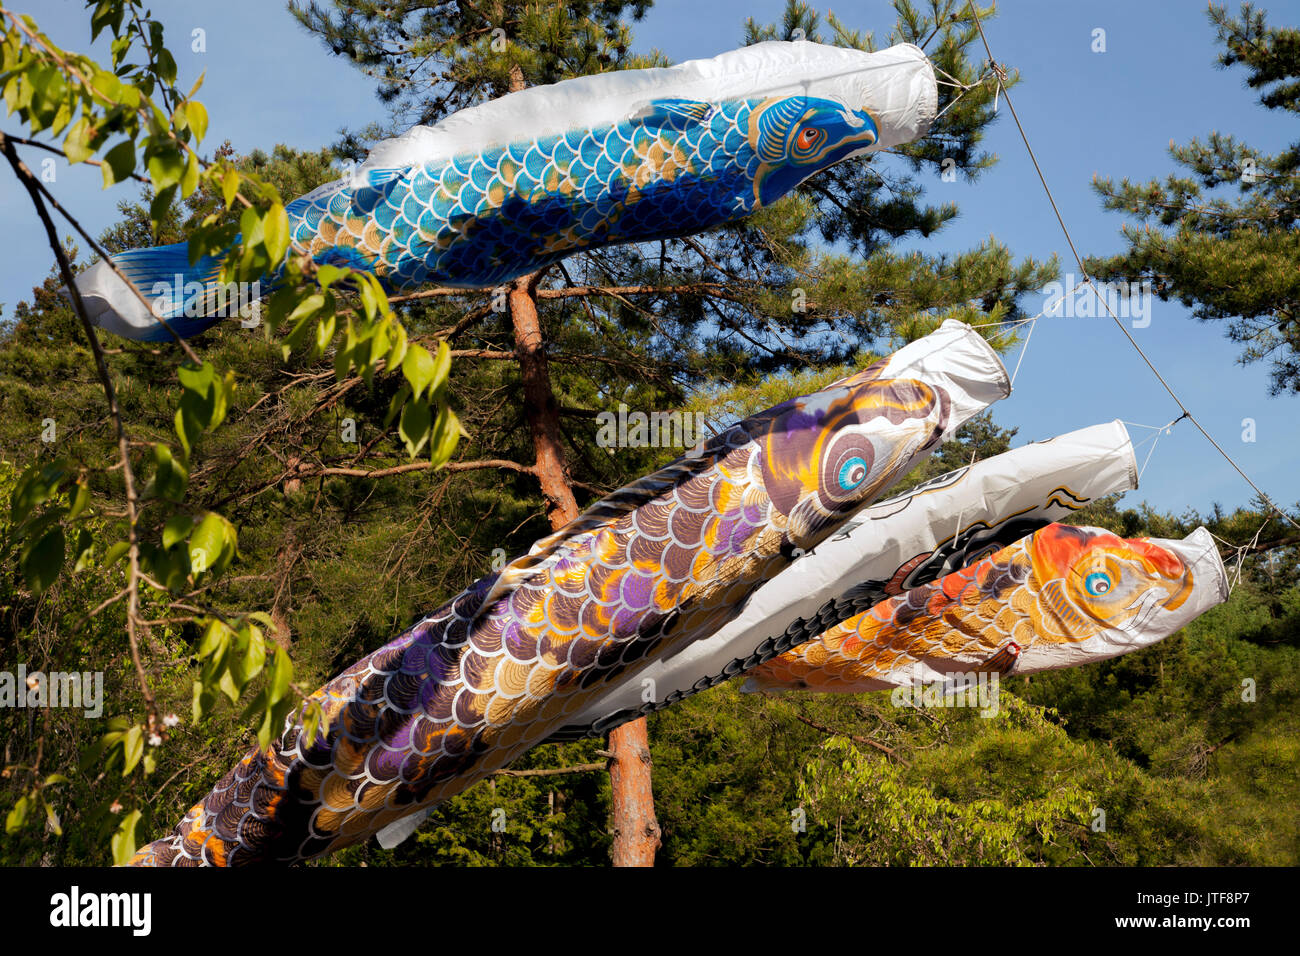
807,138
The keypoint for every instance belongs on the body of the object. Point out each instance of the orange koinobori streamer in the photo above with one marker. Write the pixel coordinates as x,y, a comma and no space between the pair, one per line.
1060,597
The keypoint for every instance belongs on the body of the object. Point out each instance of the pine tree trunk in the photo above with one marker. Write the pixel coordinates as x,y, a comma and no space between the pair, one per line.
636,830
540,408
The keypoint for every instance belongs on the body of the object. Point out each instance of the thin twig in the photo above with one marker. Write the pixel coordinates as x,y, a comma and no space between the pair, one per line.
34,190
548,772
91,161
867,741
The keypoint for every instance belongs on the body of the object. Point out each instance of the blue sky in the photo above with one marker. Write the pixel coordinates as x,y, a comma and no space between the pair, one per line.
1111,113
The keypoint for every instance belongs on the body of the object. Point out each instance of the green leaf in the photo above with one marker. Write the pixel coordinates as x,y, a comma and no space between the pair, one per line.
61,119
281,676
176,528
80,500
124,840
441,366
36,486
166,166
170,476
212,540
17,816
119,163
213,636
343,356
327,274
396,403
202,702
273,720
160,203
203,406
369,296
228,686
229,186
115,554
222,394
324,332
190,179
446,434
132,749
398,350
255,657
186,430
275,230
12,88
419,368
165,66
413,427
314,723
41,564
250,228
83,550
52,818
307,307
76,145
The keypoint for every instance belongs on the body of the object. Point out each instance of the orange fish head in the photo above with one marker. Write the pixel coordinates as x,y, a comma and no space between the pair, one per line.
1092,580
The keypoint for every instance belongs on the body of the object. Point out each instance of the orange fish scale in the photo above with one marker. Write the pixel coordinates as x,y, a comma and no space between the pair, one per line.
500,709
552,707
337,794
512,676
375,796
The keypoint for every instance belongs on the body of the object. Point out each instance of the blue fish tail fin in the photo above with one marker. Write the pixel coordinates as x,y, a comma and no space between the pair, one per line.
188,297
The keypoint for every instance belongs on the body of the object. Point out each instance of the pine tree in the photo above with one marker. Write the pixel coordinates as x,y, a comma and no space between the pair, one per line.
1223,239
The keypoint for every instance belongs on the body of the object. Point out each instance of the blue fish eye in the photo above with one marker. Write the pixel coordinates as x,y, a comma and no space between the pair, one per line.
1097,583
853,472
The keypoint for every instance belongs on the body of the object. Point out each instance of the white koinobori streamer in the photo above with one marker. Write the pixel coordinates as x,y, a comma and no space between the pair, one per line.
906,540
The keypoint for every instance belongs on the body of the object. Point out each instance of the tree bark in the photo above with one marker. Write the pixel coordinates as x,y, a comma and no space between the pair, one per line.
635,829
540,407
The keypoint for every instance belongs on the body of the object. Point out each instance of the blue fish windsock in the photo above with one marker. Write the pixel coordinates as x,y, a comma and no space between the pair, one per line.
503,189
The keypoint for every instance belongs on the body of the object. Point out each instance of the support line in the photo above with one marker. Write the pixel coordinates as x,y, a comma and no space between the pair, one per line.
1087,278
